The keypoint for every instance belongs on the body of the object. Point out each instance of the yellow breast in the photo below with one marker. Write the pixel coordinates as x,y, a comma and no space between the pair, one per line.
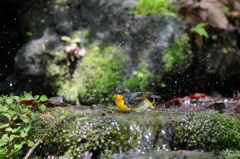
120,103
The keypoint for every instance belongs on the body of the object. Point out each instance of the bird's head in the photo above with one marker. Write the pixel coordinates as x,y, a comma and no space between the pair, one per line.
121,89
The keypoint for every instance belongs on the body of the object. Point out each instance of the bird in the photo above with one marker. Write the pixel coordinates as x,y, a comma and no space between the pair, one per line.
138,101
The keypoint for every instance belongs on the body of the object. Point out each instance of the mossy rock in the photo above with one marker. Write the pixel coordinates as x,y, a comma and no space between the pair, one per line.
70,134
231,154
208,131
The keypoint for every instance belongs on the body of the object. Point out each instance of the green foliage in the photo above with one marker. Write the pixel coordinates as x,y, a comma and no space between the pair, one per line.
140,79
29,33
15,123
199,29
208,131
214,37
177,53
146,7
43,98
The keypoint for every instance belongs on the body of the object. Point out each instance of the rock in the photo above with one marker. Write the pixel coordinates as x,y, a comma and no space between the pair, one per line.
30,58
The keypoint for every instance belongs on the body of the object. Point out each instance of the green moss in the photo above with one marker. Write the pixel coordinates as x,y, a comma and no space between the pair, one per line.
89,77
208,131
97,73
230,154
146,7
140,79
177,53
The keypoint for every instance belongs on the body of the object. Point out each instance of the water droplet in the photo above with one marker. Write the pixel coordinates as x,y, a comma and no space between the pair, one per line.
10,84
68,63
84,83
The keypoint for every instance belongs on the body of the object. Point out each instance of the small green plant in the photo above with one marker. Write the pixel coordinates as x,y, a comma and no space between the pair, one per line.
29,33
146,7
68,39
199,29
15,113
226,10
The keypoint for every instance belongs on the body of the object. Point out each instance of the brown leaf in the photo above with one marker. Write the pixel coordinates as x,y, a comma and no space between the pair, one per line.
58,101
236,96
236,5
217,106
235,14
45,116
210,11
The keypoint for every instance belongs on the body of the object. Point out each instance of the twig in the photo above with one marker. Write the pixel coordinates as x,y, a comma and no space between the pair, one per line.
30,152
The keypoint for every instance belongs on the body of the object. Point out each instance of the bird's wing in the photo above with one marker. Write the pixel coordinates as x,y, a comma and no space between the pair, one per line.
155,96
143,96
134,95
147,95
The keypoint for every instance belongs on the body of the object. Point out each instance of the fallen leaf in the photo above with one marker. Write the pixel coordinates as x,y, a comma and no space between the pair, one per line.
210,11
206,121
58,101
45,116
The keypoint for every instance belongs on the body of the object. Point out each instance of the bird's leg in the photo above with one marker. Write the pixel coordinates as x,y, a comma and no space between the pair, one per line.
153,102
132,111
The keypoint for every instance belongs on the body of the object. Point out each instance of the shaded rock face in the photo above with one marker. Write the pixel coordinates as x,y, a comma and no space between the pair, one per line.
141,38
30,59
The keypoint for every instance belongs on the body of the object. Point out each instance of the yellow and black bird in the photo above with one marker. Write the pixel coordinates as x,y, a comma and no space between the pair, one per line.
126,101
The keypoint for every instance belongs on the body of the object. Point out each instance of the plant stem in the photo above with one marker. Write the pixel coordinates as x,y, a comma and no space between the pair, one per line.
29,153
